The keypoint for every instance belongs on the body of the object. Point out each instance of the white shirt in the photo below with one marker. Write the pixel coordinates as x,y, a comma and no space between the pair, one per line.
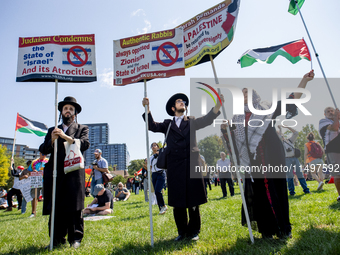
65,128
153,162
178,120
16,183
223,167
288,145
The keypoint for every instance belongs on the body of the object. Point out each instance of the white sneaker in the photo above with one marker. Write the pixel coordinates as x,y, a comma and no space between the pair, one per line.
320,186
163,209
31,216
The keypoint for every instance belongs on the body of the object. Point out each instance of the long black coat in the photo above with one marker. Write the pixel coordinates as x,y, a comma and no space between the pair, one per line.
182,157
70,188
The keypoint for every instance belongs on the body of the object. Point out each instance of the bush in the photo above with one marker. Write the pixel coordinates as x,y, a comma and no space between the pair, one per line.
118,179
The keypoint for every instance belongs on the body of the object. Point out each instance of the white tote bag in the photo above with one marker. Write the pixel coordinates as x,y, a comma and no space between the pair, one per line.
74,158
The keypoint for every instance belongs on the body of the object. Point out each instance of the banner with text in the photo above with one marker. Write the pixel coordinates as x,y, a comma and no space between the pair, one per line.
36,179
25,188
68,58
148,56
209,32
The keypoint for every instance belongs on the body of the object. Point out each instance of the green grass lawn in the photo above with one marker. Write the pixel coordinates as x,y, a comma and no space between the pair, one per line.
315,220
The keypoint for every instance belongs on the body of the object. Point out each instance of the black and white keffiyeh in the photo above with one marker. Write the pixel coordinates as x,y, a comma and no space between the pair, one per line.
256,129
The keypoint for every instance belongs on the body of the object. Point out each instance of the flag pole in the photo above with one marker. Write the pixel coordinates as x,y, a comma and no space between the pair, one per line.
316,54
15,137
148,162
54,168
234,157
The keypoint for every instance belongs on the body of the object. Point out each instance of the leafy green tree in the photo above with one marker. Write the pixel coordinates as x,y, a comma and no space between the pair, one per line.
4,165
110,168
210,147
302,139
118,179
135,165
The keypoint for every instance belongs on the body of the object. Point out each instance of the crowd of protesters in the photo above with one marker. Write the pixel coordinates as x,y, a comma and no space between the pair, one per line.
266,194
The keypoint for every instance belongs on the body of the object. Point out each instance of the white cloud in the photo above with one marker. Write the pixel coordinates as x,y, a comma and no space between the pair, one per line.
147,27
138,12
171,24
106,78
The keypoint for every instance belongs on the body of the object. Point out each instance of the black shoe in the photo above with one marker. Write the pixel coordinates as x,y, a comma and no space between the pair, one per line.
179,238
195,237
286,235
267,236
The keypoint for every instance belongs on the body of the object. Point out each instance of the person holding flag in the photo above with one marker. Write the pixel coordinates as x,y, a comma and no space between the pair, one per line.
186,188
259,146
70,192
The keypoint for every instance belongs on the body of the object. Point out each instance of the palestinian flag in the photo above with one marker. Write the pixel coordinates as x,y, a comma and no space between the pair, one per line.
293,51
29,126
293,8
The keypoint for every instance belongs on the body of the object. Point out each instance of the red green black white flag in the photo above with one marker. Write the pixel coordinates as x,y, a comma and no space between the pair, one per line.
292,51
29,126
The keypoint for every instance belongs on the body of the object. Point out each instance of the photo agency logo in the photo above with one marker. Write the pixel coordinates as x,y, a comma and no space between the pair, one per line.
245,96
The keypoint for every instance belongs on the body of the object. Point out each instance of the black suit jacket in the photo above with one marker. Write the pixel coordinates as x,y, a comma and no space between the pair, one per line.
185,187
70,188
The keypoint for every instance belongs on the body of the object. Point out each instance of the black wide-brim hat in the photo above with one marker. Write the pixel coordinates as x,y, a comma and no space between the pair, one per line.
71,101
172,100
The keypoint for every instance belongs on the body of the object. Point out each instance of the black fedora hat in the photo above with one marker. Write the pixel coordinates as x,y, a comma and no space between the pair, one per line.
172,100
71,101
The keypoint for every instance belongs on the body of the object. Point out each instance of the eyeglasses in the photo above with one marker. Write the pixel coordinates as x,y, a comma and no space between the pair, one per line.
180,101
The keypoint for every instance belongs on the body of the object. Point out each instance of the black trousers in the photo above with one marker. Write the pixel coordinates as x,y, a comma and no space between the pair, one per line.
67,223
184,227
207,183
11,193
224,188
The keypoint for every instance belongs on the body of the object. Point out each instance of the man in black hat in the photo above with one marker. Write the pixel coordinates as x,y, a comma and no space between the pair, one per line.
70,187
185,192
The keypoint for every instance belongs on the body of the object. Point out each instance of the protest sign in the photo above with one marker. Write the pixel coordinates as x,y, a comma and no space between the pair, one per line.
148,56
36,179
209,32
68,58
25,187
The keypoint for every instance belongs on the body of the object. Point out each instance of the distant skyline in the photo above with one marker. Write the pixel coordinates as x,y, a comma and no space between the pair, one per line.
260,24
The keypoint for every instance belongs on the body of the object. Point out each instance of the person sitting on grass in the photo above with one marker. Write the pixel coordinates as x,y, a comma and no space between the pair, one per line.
121,193
102,204
3,200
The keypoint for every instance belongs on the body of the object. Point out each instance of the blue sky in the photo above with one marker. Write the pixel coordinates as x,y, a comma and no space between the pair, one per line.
260,24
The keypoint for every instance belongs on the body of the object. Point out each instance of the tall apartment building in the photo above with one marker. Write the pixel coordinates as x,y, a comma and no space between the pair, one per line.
115,154
20,150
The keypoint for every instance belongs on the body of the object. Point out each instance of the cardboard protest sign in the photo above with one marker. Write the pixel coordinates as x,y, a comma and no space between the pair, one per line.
209,32
36,179
25,187
68,58
148,56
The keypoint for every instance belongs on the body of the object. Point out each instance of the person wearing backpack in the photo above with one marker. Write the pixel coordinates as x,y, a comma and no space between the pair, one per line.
313,156
292,161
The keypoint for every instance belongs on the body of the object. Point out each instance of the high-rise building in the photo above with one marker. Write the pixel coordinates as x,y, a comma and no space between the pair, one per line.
115,154
98,133
20,150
